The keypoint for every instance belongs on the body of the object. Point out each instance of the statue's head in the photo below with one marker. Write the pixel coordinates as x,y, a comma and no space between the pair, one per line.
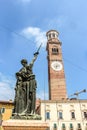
24,61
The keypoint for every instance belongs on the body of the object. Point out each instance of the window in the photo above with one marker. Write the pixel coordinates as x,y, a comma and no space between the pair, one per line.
79,126
53,35
60,115
49,35
55,50
55,126
73,115
2,110
71,125
85,115
63,126
47,115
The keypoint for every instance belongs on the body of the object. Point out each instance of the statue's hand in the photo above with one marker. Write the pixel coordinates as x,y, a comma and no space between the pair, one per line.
36,53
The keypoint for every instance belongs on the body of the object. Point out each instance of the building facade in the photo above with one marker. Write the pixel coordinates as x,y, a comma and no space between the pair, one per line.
65,114
6,108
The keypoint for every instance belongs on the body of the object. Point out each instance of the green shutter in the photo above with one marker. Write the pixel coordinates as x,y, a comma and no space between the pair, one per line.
55,126
63,125
71,126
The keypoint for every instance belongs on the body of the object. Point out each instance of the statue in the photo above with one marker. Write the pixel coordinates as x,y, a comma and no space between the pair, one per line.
25,90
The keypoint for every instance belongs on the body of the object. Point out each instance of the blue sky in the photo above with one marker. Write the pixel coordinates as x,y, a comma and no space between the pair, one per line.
23,26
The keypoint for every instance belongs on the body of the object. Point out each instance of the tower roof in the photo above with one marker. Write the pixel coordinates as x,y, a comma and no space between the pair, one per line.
52,34
52,30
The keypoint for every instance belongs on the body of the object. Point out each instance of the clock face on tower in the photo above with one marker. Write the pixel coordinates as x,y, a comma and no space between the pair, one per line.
56,65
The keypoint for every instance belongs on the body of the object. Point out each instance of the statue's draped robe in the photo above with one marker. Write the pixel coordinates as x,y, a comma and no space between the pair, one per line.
25,91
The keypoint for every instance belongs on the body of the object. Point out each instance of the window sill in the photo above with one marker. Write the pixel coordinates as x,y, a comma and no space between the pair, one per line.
47,119
60,119
73,118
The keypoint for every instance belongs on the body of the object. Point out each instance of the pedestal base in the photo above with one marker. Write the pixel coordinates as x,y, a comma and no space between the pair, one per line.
27,117
25,125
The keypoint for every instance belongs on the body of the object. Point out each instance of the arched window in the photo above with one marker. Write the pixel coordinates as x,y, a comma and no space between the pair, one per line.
60,115
49,35
53,35
72,115
47,115
85,114
55,50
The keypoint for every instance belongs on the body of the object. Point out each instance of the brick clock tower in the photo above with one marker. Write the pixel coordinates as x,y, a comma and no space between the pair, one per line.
56,76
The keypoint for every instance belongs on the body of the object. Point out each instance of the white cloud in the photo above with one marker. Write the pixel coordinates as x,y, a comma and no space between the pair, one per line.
6,88
36,33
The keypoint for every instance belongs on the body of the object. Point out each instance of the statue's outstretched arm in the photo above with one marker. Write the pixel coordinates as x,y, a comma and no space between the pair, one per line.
35,55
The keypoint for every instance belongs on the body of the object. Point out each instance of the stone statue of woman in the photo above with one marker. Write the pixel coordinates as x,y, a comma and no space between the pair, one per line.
25,90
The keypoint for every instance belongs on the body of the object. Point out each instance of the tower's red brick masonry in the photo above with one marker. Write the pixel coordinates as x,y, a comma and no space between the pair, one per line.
56,78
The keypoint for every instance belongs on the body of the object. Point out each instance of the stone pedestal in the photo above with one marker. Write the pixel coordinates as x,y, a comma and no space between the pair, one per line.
25,125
